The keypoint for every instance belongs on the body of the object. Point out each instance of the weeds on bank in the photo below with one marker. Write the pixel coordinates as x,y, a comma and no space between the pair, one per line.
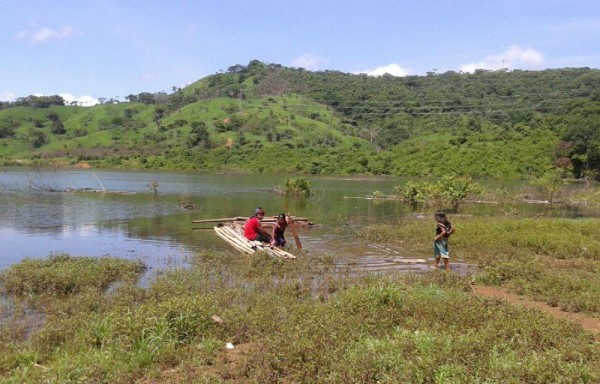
586,195
451,192
553,260
61,274
292,322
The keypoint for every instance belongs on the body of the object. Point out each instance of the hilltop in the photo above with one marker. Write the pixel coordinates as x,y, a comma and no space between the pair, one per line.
269,118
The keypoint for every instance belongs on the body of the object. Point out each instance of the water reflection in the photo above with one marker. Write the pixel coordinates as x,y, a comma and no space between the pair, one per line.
151,226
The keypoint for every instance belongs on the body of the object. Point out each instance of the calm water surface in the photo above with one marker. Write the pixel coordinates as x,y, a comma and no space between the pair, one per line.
38,217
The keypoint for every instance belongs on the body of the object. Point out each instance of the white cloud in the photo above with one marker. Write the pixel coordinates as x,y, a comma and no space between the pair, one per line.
392,69
513,57
45,34
7,96
84,101
308,61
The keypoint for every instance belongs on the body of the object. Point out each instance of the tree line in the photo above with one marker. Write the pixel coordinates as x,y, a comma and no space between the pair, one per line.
459,115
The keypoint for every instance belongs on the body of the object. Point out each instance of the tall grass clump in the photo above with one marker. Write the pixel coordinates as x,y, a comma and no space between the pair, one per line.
62,274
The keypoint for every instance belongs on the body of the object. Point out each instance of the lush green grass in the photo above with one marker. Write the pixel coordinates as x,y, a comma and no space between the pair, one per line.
296,322
61,275
554,260
270,134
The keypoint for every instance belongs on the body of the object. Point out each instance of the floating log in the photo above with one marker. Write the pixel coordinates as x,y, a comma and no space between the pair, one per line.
92,190
272,219
225,219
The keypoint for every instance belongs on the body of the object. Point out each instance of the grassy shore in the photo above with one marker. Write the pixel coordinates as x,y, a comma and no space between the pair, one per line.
550,260
72,320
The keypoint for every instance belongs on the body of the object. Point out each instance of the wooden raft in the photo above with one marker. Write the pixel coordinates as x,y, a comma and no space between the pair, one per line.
233,235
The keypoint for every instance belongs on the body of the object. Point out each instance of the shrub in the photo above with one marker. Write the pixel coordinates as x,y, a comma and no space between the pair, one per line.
550,185
448,193
296,186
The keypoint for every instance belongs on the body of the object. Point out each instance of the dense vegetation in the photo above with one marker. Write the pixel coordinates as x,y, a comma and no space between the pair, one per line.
299,322
266,117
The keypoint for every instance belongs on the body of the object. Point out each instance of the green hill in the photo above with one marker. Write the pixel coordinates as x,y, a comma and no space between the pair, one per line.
270,118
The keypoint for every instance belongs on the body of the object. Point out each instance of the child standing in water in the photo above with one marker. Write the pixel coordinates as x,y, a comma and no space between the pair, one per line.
443,230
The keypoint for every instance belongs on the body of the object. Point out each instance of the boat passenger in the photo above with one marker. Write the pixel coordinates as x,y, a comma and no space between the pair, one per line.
278,231
253,230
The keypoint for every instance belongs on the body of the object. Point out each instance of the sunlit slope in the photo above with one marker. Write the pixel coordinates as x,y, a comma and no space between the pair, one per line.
265,117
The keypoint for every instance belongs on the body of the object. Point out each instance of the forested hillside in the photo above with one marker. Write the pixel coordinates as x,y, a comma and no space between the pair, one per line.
269,118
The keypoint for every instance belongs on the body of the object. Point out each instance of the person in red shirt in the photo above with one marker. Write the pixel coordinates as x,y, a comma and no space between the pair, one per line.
253,230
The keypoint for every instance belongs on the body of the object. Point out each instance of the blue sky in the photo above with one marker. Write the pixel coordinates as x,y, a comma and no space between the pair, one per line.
86,49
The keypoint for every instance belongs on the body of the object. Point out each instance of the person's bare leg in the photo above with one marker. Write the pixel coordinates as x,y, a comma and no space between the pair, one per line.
447,264
437,261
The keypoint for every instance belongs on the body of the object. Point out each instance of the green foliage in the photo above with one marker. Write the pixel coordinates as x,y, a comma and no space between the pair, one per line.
296,187
6,130
488,124
582,131
378,195
37,138
418,193
35,102
290,322
550,184
552,260
61,274
447,193
199,135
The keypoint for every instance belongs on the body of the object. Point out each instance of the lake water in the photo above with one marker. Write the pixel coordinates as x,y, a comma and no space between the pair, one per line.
38,218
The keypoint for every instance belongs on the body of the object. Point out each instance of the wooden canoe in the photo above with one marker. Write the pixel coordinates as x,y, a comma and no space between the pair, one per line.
232,234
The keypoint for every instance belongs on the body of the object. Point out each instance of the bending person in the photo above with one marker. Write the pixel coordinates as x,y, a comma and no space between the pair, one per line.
253,230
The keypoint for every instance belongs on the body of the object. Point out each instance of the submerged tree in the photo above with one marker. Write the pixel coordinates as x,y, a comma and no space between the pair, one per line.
296,186
447,193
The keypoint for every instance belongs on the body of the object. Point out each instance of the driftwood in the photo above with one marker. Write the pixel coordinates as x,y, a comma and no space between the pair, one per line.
292,224
222,220
92,190
303,220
